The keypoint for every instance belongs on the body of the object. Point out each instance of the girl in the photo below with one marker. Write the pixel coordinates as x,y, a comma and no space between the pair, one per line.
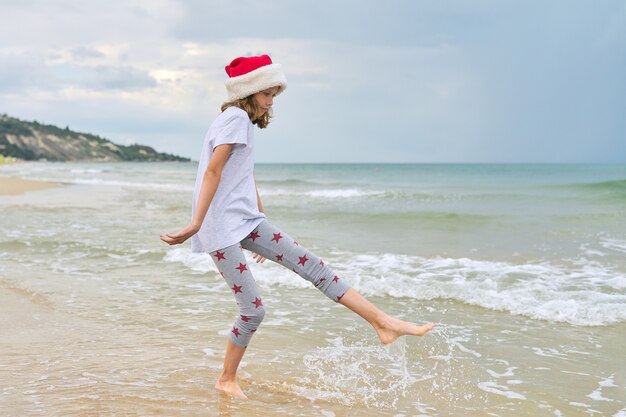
227,217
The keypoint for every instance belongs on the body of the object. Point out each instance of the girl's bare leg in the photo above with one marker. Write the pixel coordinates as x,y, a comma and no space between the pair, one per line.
227,381
387,327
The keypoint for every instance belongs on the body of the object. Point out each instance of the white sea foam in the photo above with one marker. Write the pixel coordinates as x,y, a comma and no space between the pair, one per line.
129,184
620,413
587,294
576,404
198,262
509,372
85,171
323,193
347,193
596,395
614,244
209,352
493,388
357,373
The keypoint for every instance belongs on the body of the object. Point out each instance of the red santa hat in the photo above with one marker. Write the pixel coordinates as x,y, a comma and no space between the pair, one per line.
249,75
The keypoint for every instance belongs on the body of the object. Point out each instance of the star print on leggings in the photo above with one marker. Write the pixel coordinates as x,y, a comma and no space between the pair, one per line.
257,302
235,331
303,260
241,268
277,237
254,235
237,288
220,256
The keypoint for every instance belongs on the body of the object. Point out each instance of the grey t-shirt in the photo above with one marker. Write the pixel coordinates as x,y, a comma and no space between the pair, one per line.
234,211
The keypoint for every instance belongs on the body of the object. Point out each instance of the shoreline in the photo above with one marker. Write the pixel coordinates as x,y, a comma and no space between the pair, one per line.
16,186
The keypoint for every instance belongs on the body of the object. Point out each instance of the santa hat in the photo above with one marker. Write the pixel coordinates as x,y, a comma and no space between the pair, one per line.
249,75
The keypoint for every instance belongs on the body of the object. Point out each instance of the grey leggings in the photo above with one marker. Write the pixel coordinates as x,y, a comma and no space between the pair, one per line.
271,243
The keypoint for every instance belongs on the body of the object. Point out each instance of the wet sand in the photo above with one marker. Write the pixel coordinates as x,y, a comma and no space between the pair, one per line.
15,186
60,364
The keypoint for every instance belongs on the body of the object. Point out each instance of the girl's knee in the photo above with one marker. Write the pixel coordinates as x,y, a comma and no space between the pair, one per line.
259,315
253,318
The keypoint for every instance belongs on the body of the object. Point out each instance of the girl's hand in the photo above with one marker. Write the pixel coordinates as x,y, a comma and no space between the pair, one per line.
259,258
180,237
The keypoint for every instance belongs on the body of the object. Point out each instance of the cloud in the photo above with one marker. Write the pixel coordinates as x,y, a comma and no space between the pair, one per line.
24,72
20,71
83,53
102,77
393,81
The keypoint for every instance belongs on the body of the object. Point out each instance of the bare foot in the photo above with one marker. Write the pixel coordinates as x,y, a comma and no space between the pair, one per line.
391,329
230,388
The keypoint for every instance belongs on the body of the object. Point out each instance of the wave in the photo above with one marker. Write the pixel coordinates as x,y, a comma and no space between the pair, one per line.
410,218
287,182
85,171
128,184
323,193
356,193
613,188
615,185
616,245
586,294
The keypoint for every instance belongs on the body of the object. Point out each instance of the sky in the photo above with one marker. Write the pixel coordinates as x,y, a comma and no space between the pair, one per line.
394,81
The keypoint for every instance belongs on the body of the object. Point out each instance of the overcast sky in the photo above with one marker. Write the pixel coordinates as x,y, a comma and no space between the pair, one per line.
369,81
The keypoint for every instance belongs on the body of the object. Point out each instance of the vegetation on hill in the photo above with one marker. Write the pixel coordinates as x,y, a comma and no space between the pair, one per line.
35,141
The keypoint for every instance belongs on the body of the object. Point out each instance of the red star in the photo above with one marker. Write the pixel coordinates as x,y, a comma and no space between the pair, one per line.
321,281
241,268
277,237
336,279
340,297
303,260
235,331
257,302
254,235
245,318
321,262
279,257
220,256
237,288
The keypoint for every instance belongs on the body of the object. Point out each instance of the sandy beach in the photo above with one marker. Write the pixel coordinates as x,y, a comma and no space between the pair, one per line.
15,186
99,318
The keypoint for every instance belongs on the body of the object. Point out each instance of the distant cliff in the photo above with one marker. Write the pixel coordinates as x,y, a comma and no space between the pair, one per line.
34,141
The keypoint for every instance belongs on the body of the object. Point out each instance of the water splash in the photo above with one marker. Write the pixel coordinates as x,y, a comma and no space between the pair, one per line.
375,376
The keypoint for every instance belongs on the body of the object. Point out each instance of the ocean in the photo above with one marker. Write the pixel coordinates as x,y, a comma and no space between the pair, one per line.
522,267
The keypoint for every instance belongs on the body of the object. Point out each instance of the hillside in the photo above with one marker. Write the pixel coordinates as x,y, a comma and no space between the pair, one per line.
35,141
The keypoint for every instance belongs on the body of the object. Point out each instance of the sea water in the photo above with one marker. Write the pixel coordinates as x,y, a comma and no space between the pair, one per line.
522,267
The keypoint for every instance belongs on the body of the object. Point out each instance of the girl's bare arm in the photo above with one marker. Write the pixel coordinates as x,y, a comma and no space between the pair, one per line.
209,186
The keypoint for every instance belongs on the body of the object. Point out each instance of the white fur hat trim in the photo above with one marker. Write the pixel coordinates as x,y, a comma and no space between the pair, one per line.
260,79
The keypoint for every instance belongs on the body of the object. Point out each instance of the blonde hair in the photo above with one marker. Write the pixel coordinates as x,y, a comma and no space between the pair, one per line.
248,105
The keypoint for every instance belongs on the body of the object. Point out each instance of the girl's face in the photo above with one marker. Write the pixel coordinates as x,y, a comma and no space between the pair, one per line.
264,100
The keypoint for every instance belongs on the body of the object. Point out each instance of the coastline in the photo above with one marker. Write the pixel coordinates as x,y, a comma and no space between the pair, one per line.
15,186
